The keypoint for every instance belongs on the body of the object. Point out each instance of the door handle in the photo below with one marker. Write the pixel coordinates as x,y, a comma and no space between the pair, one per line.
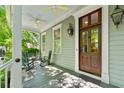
17,60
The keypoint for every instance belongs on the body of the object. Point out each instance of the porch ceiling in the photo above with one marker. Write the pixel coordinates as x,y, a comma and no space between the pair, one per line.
40,17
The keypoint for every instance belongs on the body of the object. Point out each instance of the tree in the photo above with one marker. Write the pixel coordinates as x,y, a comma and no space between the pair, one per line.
6,40
6,36
5,33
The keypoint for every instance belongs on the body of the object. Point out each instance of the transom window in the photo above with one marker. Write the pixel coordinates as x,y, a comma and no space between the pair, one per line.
91,19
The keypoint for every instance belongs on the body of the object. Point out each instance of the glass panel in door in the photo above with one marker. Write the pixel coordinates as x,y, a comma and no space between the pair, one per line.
84,46
94,40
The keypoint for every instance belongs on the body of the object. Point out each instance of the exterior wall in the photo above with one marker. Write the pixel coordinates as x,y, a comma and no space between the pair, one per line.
116,49
49,41
48,45
66,58
116,52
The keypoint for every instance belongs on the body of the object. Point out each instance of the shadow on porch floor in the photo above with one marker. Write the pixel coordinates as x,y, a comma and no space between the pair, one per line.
58,77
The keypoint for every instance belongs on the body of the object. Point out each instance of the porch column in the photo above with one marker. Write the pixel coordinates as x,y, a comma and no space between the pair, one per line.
105,50
16,71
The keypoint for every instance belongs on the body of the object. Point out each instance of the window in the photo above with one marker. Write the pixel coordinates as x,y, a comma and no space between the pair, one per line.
43,36
57,39
90,20
94,18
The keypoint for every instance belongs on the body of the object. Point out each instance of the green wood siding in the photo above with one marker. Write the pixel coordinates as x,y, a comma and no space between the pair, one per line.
66,58
116,54
49,40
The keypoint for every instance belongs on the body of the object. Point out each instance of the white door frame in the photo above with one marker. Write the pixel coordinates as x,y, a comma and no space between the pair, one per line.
105,65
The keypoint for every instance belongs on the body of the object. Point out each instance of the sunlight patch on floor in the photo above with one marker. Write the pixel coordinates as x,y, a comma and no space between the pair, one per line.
67,80
55,78
53,71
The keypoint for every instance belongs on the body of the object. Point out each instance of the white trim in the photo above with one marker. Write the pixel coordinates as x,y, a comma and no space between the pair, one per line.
6,65
105,70
59,26
44,33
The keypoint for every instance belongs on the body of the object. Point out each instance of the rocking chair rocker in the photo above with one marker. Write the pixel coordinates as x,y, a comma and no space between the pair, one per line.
46,59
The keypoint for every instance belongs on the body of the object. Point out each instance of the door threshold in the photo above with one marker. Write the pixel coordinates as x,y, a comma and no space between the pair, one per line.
89,75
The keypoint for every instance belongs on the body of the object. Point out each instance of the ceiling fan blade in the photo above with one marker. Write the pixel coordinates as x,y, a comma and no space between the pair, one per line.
62,7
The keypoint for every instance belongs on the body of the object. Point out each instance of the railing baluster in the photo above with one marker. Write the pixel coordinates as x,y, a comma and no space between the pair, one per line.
4,68
6,77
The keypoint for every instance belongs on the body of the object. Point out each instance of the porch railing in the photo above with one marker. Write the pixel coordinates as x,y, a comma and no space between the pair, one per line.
5,74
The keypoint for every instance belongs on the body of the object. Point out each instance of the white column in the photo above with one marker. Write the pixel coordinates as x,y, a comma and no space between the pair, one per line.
105,61
16,71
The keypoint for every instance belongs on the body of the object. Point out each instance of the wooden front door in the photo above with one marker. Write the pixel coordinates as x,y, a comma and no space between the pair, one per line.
90,42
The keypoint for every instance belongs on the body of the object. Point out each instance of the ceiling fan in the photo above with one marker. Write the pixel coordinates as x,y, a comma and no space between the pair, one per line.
36,21
55,9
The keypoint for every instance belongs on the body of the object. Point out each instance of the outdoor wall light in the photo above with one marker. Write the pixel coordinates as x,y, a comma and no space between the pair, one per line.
117,15
70,30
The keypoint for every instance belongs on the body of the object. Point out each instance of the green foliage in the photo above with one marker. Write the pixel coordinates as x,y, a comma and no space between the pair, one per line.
2,77
32,38
32,51
6,40
5,34
29,37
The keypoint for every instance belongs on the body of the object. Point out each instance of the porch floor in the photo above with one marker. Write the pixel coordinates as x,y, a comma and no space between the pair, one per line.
53,76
